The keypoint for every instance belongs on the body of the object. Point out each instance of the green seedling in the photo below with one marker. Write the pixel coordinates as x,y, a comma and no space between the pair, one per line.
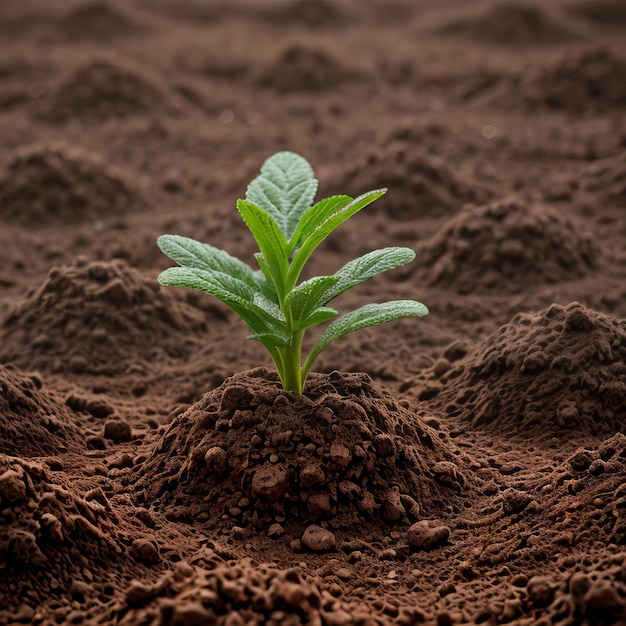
280,212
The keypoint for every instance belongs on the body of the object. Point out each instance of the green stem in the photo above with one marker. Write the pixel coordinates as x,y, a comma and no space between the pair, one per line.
291,376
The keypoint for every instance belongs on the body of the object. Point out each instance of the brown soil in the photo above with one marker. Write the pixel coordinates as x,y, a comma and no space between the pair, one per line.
464,468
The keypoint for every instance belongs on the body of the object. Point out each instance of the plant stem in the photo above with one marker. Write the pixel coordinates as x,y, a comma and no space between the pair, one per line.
291,375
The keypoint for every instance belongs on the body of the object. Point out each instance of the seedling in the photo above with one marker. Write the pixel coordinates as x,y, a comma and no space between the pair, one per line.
280,212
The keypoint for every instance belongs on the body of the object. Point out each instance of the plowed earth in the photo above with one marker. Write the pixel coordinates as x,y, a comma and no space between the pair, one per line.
464,468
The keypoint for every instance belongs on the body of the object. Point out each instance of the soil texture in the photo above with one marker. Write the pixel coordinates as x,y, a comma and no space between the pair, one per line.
468,467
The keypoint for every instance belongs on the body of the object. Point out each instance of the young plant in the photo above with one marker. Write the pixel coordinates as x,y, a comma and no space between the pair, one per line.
280,212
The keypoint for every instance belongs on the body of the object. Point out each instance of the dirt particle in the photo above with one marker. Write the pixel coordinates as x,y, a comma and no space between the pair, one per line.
427,535
318,539
117,431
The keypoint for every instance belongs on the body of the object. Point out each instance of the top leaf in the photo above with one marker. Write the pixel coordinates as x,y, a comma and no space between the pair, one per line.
285,189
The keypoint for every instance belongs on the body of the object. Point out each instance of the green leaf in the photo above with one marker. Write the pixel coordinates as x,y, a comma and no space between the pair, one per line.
315,216
270,240
191,253
305,298
285,189
319,316
365,267
368,315
239,296
329,222
271,339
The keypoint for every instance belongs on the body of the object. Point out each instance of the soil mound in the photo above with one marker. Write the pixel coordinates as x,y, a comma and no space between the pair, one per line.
419,184
505,247
309,13
236,594
49,537
605,12
606,179
97,318
300,67
56,184
512,23
559,371
32,423
106,88
580,82
250,455
98,20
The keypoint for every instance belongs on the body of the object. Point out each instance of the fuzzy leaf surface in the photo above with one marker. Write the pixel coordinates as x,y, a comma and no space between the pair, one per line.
365,267
239,296
269,238
305,298
331,219
285,189
195,254
363,317
315,216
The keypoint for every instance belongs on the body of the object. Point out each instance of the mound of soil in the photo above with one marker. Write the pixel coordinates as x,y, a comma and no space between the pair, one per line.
419,184
32,423
512,23
308,13
106,88
605,12
98,318
49,538
559,371
301,67
235,594
251,455
55,184
98,21
506,246
591,80
606,179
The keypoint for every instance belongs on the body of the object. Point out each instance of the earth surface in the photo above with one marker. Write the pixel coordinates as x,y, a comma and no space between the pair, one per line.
468,467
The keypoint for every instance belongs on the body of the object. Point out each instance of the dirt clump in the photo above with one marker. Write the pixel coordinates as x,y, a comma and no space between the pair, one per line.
49,538
107,88
32,422
419,184
241,593
559,371
300,67
249,454
506,246
512,23
95,317
52,184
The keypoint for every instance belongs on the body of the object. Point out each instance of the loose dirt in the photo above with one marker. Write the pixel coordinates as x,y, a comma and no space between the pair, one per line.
464,468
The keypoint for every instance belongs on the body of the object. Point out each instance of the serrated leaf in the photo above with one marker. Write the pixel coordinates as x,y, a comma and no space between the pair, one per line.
365,267
315,216
365,316
305,298
195,254
270,240
233,292
285,189
332,220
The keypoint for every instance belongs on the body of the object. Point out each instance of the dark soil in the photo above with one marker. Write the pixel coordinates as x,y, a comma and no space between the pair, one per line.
463,468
